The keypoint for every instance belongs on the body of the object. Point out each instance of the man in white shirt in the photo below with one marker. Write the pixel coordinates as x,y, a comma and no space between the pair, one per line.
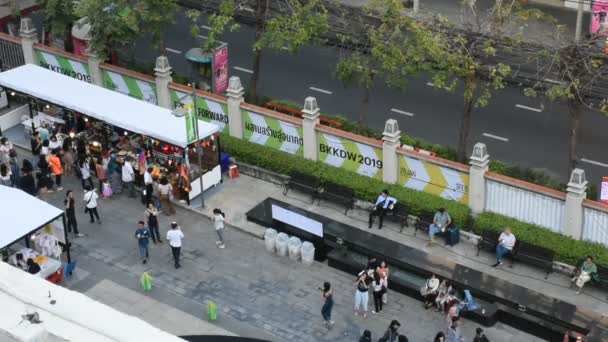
128,176
506,242
175,236
149,183
383,204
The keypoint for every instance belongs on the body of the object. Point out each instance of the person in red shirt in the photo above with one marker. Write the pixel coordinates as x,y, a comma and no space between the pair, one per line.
56,168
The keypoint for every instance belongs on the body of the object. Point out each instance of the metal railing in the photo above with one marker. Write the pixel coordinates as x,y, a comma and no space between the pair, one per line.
11,53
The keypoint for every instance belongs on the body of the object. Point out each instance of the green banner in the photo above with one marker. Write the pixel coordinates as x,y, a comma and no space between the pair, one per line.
141,90
421,175
271,132
64,66
208,110
350,155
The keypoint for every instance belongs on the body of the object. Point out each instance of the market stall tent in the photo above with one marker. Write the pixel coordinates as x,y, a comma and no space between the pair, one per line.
22,214
106,105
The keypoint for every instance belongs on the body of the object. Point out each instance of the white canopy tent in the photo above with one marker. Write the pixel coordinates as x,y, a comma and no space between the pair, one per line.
106,105
22,214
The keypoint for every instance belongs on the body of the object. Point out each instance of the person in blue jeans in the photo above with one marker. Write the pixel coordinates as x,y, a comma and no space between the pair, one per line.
441,221
142,234
328,304
506,242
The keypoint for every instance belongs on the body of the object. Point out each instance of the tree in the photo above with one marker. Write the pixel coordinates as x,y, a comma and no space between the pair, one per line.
394,50
59,18
114,23
155,16
474,54
579,71
306,22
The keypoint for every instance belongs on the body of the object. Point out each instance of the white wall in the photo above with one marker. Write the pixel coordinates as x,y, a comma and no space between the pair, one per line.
13,118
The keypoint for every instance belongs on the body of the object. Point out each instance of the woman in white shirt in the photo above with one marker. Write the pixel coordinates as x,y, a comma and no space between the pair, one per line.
506,242
218,221
54,143
175,236
378,287
90,200
85,171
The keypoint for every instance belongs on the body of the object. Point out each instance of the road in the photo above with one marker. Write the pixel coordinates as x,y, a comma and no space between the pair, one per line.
517,129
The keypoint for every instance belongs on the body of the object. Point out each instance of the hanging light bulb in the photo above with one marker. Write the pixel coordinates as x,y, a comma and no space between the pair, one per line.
86,119
47,106
126,133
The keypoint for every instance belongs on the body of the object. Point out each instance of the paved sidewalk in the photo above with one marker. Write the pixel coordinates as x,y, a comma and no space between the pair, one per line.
258,294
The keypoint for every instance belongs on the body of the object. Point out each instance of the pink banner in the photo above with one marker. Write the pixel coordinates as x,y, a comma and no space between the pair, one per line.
80,46
220,70
599,20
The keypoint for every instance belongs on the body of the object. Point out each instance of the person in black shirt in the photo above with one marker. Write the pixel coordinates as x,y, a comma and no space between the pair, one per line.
36,145
27,182
480,336
70,213
32,266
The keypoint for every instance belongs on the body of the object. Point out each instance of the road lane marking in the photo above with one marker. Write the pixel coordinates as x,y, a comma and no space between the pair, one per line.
284,48
593,162
495,137
206,27
430,84
243,69
401,112
173,50
202,37
321,90
529,108
553,81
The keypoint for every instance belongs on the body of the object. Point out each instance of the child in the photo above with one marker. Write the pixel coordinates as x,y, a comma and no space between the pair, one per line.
107,190
218,219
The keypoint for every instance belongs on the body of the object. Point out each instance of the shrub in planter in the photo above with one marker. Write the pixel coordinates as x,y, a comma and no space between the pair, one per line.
364,187
566,249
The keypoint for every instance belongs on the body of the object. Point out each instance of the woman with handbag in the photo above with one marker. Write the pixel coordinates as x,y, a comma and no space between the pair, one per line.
587,271
90,200
362,294
152,218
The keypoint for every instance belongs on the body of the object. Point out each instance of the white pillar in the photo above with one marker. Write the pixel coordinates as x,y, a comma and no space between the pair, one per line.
235,93
573,213
309,124
390,160
479,160
94,63
162,70
29,37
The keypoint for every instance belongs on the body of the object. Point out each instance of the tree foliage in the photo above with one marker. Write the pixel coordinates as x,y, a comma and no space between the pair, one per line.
59,15
154,16
218,23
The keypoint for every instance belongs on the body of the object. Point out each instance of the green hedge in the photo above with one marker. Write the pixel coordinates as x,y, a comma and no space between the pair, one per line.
365,188
567,250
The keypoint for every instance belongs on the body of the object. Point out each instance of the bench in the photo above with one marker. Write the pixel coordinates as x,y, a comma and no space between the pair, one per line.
488,241
408,283
534,255
399,213
602,274
305,183
424,221
338,193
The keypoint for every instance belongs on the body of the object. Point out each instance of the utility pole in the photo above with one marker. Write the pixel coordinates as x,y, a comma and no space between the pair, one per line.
579,21
416,6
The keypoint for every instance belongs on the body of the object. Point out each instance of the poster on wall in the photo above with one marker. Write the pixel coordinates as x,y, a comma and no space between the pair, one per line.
442,181
130,86
207,110
220,70
271,132
599,20
350,155
64,66
604,191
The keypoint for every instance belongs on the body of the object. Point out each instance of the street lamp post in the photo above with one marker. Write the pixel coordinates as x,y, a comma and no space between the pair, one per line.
181,113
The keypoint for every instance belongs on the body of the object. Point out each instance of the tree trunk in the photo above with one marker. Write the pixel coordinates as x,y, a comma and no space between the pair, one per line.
67,39
364,105
162,48
260,15
465,123
576,111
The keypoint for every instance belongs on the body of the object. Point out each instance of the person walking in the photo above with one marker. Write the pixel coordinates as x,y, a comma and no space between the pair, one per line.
84,164
56,168
128,177
440,337
5,175
366,336
70,213
165,189
152,218
454,334
328,303
149,183
378,289
36,145
5,149
175,236
100,171
392,333
142,234
362,294
90,200
27,182
67,158
384,273
218,221
480,336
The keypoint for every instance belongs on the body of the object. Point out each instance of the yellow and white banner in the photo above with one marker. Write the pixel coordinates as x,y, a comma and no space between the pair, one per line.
439,180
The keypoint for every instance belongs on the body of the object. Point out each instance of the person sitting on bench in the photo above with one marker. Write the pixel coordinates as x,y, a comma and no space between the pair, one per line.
441,221
583,274
506,242
384,203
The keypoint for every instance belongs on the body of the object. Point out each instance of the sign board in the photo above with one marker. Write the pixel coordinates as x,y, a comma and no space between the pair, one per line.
207,110
599,17
271,132
220,70
604,191
350,155
64,66
130,86
421,175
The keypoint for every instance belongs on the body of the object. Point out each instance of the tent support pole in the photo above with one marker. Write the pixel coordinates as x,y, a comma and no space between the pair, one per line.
67,241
